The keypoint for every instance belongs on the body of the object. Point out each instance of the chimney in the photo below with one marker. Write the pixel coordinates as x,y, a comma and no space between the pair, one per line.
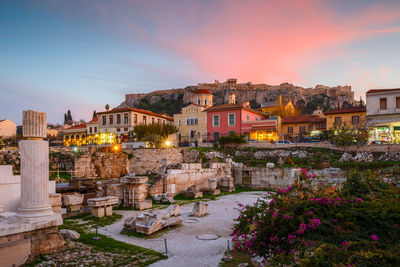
246,104
232,99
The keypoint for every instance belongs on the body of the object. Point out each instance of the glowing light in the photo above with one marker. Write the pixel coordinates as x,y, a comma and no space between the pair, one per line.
167,143
116,147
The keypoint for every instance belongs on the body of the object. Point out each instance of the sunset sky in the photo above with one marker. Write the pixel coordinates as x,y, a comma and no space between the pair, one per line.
81,55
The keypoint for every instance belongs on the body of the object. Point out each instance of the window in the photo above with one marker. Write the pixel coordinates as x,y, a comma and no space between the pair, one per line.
338,121
383,103
159,121
126,118
398,102
126,129
216,121
90,129
95,129
188,121
205,102
144,119
320,125
198,101
290,129
179,122
256,118
153,120
231,119
118,129
215,136
355,120
135,118
248,117
104,120
302,129
192,134
118,118
310,127
111,119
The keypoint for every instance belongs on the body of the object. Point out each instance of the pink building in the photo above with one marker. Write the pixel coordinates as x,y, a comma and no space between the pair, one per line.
239,118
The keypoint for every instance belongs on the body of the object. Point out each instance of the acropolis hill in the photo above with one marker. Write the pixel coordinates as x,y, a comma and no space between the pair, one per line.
257,94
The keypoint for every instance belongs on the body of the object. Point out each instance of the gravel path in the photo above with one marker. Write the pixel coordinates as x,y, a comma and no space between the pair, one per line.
184,248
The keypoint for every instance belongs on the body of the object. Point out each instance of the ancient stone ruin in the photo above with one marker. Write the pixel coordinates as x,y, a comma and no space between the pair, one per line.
31,229
150,222
199,209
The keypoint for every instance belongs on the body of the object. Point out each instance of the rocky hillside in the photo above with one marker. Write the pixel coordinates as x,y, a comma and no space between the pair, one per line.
306,99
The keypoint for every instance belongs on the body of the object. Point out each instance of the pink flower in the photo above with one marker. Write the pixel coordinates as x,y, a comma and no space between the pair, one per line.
374,237
275,214
302,228
395,225
359,200
286,216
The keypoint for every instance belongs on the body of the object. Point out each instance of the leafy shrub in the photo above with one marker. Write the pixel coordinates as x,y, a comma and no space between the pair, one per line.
233,139
315,224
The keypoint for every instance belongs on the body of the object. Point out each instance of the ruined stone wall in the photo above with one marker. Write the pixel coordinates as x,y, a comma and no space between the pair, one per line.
178,180
149,160
100,164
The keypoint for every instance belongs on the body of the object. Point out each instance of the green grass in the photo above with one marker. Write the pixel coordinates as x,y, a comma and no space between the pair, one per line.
62,175
238,257
85,224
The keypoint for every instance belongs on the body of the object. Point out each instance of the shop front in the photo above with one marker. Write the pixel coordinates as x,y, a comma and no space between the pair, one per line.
385,134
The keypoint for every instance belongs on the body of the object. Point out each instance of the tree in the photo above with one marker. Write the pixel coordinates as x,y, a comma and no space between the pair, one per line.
154,133
345,136
233,140
94,114
107,107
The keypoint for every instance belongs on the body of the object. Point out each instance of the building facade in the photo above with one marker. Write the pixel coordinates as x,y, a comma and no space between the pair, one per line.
354,117
302,127
383,115
192,121
114,126
241,119
7,128
75,135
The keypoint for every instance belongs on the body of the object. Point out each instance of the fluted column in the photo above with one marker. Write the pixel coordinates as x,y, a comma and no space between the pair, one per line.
34,166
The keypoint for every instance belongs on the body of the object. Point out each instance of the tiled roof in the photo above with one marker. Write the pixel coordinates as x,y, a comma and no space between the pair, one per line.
76,127
202,91
234,106
347,110
93,121
303,118
371,91
116,110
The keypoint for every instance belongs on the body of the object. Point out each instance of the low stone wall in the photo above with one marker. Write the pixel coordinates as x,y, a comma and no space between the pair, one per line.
150,160
277,178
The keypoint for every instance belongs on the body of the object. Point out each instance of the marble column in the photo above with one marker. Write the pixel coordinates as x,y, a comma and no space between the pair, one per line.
34,166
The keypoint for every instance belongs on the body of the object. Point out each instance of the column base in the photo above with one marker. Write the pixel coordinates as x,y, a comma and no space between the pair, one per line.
34,212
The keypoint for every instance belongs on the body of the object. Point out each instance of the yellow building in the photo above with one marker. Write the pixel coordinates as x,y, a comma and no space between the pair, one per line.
75,135
192,121
279,108
354,117
299,127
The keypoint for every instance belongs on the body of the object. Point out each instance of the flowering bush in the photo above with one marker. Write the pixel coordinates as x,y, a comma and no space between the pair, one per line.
315,224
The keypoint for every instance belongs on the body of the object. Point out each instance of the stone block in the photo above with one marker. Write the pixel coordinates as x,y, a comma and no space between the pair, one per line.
15,253
108,211
72,199
97,212
141,205
74,208
213,192
69,234
199,209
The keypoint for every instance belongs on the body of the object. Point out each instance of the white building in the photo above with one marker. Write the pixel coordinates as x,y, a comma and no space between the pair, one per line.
383,114
7,128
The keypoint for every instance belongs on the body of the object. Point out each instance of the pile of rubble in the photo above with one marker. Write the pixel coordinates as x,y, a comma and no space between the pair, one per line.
389,156
10,157
215,154
359,157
